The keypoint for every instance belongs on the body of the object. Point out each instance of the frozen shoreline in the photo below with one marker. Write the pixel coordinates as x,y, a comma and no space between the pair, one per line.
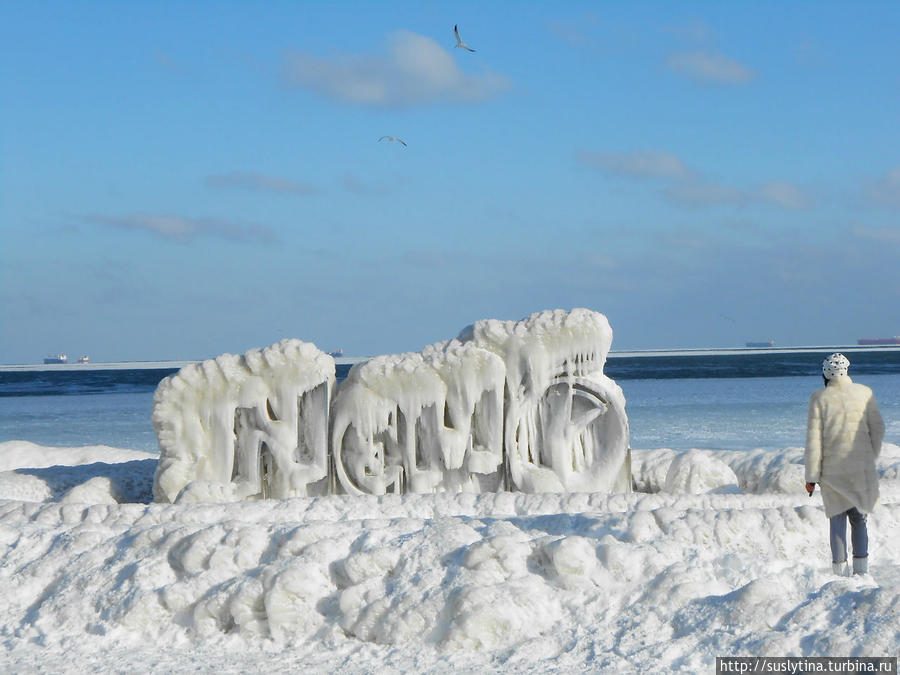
349,360
512,582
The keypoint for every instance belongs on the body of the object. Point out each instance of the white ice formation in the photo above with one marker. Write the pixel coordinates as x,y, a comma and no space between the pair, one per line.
507,405
421,422
240,426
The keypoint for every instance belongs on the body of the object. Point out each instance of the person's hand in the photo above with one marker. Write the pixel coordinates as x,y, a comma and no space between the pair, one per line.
810,487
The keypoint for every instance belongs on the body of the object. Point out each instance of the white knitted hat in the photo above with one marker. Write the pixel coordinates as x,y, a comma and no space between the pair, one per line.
834,365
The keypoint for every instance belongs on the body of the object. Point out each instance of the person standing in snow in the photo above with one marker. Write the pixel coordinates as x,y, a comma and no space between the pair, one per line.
844,431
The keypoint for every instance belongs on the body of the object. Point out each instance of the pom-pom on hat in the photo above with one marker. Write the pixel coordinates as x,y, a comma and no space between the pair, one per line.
834,365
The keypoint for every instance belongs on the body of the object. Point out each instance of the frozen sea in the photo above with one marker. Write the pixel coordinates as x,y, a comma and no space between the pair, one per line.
719,552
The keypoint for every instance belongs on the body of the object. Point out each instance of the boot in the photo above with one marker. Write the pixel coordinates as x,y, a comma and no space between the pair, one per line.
840,569
860,566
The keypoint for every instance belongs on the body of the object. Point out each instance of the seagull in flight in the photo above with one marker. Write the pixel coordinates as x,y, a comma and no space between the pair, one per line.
391,138
459,42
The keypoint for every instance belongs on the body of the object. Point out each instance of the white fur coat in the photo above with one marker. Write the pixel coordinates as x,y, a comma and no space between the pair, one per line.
844,431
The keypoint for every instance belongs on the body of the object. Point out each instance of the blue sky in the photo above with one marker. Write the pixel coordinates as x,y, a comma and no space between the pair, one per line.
179,180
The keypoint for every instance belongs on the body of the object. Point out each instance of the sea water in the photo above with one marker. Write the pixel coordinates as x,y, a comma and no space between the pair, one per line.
736,413
714,402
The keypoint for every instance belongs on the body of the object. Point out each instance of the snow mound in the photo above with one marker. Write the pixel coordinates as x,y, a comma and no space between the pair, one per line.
89,475
888,463
24,454
756,471
695,472
577,581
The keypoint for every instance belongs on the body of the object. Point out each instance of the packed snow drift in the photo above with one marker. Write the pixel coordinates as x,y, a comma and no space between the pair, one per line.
716,553
507,405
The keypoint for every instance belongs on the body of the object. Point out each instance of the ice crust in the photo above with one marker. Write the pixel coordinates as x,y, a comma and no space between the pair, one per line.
506,405
565,425
421,422
235,426
492,582
443,582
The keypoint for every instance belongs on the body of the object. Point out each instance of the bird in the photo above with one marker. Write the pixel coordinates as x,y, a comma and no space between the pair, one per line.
459,42
391,138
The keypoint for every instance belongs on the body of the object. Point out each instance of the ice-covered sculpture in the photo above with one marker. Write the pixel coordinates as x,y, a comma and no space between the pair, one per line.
505,406
240,426
421,422
565,425
531,392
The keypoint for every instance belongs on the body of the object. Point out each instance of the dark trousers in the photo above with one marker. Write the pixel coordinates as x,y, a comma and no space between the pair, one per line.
858,535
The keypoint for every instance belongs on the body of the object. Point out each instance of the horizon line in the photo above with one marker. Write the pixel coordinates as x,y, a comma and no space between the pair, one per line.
350,360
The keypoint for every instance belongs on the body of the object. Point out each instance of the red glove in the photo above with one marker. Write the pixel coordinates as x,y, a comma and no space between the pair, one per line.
810,487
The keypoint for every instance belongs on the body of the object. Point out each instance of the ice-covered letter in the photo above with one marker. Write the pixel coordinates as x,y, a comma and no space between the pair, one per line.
240,426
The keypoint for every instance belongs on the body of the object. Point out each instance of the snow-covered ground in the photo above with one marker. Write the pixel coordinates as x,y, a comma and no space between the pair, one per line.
719,553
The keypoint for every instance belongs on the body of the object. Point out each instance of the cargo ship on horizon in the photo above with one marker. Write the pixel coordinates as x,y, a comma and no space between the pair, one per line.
64,358
879,341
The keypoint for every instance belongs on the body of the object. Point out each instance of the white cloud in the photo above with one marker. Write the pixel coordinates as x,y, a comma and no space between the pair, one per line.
638,164
881,235
184,229
257,181
694,30
353,183
569,32
415,70
573,30
709,67
785,195
698,194
601,262
777,193
886,190
167,62
687,187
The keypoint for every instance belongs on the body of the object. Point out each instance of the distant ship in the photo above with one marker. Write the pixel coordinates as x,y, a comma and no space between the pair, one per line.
879,341
760,345
84,359
338,354
59,358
